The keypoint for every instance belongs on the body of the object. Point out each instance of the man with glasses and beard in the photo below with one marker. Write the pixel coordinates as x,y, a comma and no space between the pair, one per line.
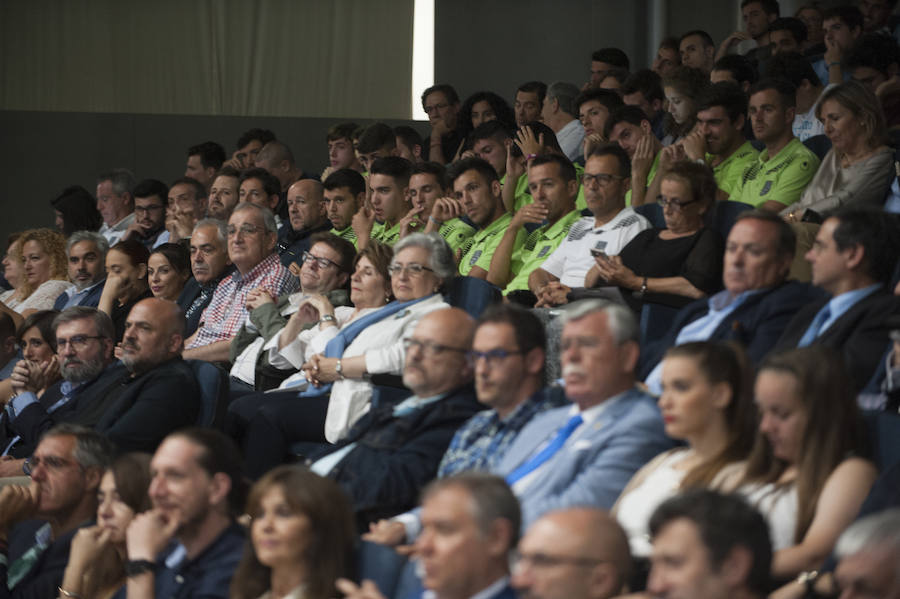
85,354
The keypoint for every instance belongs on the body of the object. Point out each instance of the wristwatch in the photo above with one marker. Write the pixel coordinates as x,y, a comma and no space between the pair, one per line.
339,369
328,318
139,566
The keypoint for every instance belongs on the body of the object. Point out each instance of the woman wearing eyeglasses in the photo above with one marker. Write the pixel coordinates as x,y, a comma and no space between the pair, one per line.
671,266
336,363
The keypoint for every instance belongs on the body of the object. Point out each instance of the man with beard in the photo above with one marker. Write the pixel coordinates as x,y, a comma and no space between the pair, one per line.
160,393
150,197
224,193
719,138
86,252
188,545
84,352
476,185
135,408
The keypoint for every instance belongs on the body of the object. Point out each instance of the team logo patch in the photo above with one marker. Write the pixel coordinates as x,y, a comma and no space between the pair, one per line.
475,256
765,188
544,251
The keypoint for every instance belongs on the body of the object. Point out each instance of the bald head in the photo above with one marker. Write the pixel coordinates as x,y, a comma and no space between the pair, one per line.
436,357
306,205
154,333
590,551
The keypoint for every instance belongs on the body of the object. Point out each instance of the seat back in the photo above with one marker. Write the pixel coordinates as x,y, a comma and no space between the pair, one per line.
652,212
818,145
724,214
472,295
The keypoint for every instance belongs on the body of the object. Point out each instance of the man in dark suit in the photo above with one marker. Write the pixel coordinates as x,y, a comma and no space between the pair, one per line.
86,253
135,406
394,450
161,394
852,259
39,520
756,304
85,354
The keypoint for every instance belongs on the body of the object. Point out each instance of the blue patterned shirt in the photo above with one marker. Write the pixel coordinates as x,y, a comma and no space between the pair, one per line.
481,442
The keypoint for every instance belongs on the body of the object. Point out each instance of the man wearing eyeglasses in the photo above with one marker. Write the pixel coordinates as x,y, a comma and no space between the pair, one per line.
606,179
84,353
149,213
252,234
441,104
394,450
325,270
306,216
507,358
576,553
39,521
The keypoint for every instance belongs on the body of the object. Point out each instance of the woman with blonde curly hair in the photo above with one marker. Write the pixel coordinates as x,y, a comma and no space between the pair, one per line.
44,269
14,272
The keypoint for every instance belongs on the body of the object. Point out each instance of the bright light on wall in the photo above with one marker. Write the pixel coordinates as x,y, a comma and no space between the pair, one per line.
422,55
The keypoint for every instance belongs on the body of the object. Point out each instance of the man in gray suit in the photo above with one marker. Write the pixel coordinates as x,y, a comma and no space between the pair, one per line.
584,454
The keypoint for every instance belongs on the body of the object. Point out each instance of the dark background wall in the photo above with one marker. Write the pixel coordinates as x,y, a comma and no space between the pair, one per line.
479,44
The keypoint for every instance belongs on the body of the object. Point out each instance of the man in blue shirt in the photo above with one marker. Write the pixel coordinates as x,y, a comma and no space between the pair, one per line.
852,259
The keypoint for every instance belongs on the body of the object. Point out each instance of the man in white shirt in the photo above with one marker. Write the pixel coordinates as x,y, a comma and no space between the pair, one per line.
606,180
115,203
560,114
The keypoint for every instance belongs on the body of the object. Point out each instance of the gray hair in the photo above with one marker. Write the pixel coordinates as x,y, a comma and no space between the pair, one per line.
880,529
92,236
440,256
122,180
621,320
492,499
564,93
102,322
92,450
264,213
220,225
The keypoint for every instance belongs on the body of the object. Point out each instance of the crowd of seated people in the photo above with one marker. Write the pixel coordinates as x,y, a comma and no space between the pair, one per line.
639,334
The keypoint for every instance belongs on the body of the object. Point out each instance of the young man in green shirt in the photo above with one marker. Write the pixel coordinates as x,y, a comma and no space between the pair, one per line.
379,219
718,138
345,192
376,141
554,185
477,187
785,166
629,127
427,186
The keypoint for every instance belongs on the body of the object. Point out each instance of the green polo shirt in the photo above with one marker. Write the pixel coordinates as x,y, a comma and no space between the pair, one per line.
728,173
456,233
484,242
650,175
523,198
347,233
384,235
539,244
781,178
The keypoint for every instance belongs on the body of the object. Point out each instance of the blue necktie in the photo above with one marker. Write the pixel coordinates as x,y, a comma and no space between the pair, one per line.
549,450
812,333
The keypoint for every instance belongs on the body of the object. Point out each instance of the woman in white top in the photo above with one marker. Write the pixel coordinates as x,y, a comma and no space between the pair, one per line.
805,473
44,268
706,402
301,538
